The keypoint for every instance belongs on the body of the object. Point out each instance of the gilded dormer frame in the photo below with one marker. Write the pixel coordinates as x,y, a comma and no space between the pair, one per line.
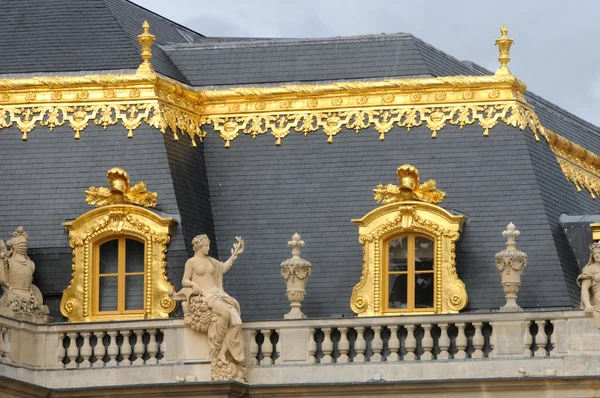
117,216
406,211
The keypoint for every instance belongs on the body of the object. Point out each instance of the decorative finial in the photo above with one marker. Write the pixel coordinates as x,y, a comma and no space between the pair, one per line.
146,39
296,243
511,233
120,191
295,271
409,188
511,263
504,42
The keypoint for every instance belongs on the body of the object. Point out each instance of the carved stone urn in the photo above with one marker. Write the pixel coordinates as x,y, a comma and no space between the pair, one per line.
295,271
511,263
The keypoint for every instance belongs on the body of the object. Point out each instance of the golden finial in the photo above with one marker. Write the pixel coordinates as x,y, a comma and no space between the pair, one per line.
146,39
409,188
504,42
120,191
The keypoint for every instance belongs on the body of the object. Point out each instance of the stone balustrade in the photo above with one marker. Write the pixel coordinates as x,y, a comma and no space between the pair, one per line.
418,347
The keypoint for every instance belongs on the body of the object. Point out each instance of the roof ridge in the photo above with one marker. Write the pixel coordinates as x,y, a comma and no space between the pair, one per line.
129,39
159,16
261,42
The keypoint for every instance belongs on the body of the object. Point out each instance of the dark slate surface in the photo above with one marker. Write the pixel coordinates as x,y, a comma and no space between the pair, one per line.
207,63
266,193
44,181
188,171
91,35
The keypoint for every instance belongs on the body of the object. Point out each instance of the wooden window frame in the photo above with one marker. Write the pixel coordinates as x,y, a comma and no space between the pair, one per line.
121,274
410,272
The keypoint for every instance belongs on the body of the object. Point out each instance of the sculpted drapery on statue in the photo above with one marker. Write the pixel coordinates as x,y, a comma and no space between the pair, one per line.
589,281
20,295
207,308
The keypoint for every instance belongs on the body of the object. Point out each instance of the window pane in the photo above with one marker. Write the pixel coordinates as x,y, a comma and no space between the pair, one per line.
134,292
398,254
397,288
109,257
423,253
108,293
424,290
134,256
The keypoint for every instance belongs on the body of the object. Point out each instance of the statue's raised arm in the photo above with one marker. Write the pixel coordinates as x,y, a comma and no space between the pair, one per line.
238,248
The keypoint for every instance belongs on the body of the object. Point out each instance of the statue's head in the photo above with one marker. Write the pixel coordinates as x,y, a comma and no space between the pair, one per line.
595,253
201,243
19,241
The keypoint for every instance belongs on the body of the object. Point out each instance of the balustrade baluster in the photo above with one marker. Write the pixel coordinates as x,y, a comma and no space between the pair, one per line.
461,342
7,346
278,348
343,346
360,345
267,348
113,348
60,350
2,329
478,341
444,342
376,345
138,347
541,339
410,343
72,351
99,349
427,343
86,350
327,346
163,346
312,347
126,348
253,347
551,339
152,347
528,339
393,344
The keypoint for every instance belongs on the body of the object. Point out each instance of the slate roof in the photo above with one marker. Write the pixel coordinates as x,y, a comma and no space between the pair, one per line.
316,189
87,35
266,193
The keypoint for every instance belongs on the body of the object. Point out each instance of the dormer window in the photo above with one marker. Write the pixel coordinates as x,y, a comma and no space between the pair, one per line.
408,245
119,256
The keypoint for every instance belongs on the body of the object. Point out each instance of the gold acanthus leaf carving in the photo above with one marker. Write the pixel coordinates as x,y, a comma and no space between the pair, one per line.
120,192
382,120
78,118
409,188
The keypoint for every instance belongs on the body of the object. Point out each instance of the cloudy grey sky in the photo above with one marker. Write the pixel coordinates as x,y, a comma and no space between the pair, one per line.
555,50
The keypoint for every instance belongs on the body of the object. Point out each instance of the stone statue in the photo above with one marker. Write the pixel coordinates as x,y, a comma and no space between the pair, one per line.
589,281
207,308
20,296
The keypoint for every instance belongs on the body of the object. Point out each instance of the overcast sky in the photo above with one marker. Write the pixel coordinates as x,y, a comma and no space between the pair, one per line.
556,48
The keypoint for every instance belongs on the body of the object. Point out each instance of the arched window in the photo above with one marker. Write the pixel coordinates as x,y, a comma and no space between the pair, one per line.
409,280
409,263
119,276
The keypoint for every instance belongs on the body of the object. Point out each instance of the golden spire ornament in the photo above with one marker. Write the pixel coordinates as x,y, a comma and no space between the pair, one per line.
504,42
146,39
